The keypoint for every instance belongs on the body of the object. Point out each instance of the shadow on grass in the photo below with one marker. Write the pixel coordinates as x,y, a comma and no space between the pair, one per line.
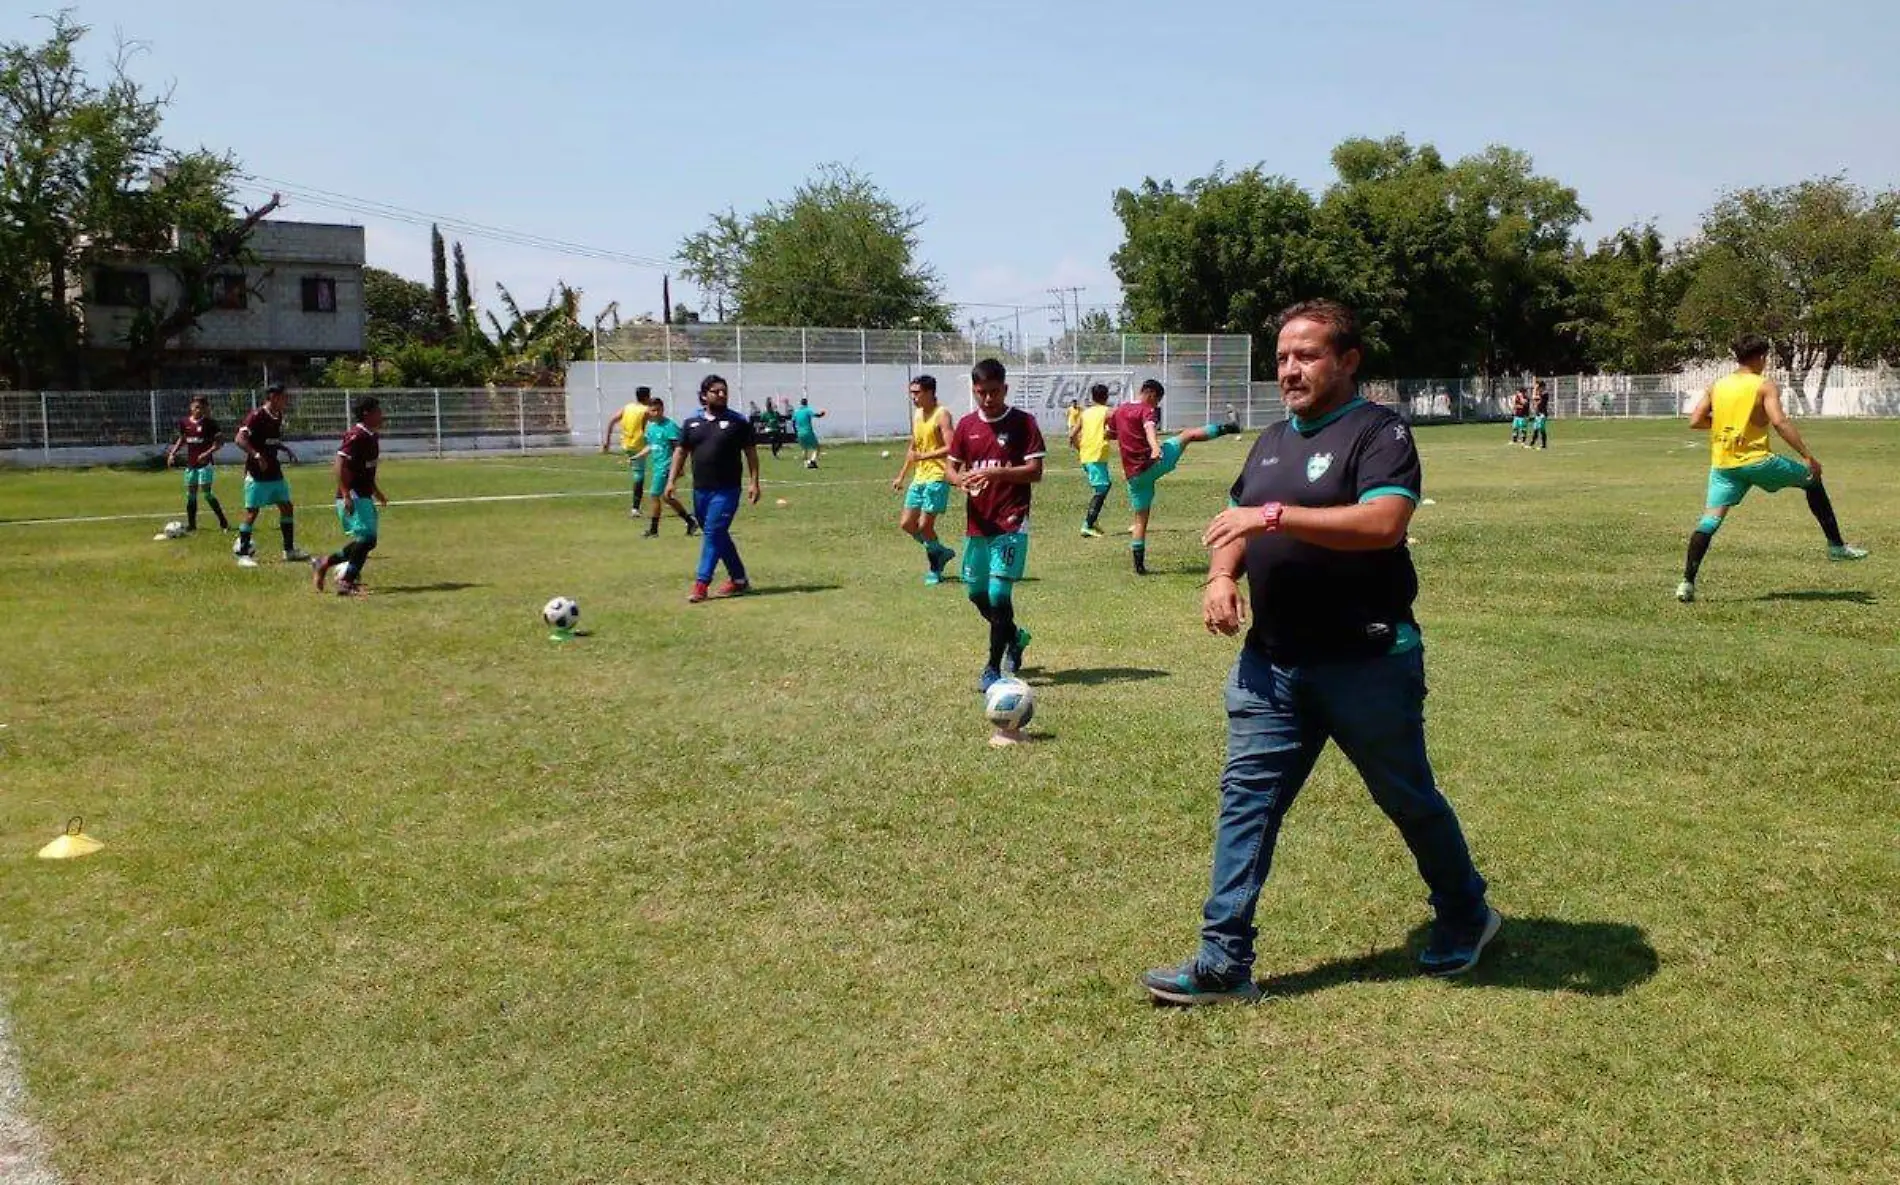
1851,596
780,590
398,590
1093,676
1535,954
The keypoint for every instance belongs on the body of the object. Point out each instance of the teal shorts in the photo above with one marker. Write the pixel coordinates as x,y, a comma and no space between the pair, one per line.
656,476
1517,424
637,470
1097,474
1141,487
995,557
199,478
1537,423
360,523
1727,487
807,440
931,497
259,494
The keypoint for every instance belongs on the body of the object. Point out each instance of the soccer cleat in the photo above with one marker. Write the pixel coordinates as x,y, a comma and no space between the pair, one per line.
652,531
733,588
933,577
940,558
1685,592
246,560
1188,985
633,512
1231,424
1089,532
319,571
1013,653
295,555
692,527
1846,551
811,464
989,678
346,587
1454,950
698,594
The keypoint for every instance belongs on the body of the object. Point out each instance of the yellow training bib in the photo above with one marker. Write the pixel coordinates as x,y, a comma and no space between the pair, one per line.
926,436
1738,427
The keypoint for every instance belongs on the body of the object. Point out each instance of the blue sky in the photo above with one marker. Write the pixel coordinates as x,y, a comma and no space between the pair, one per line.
623,126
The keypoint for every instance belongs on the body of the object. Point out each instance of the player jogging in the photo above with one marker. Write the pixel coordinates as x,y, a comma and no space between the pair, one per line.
1072,414
662,438
357,498
1737,413
632,420
715,440
1520,413
201,438
1089,435
805,423
995,457
261,436
1146,458
1540,418
929,494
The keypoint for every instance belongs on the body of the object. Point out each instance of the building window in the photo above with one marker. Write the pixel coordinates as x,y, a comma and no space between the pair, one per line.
319,294
121,288
229,292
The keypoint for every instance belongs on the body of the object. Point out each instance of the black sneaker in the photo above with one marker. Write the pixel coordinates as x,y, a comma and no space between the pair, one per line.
652,532
1188,985
692,527
1454,950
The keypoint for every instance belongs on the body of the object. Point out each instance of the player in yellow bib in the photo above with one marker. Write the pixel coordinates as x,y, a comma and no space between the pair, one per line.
1088,432
929,493
1737,413
632,422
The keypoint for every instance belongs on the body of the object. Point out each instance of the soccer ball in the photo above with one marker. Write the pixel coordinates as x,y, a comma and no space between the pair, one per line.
561,613
174,530
886,454
1009,704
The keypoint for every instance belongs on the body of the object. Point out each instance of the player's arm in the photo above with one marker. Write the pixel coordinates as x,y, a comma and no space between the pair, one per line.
283,448
607,437
752,469
1026,474
1373,525
1223,608
674,469
1783,424
1154,437
910,455
1702,415
251,451
171,454
341,471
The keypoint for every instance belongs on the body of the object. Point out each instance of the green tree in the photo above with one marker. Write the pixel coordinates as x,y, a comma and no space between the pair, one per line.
838,252
439,279
1810,266
1628,293
85,177
464,299
396,310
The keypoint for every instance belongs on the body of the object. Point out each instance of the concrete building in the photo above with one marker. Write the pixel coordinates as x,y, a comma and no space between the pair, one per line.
296,304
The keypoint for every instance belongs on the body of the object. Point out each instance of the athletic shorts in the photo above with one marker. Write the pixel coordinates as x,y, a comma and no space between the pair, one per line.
807,440
1000,557
1141,487
1517,423
259,494
931,497
361,522
637,469
199,477
1727,487
1097,474
1537,423
656,478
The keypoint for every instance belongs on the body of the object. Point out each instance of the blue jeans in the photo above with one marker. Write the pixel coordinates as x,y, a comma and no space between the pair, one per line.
1278,721
715,510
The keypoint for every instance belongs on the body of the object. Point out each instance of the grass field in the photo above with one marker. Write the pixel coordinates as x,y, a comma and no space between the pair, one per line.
397,890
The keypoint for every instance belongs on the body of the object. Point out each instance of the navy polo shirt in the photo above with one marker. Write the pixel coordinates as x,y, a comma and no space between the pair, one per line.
1312,604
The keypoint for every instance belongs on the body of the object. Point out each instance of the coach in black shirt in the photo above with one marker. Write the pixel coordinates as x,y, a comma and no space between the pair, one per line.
1318,527
716,440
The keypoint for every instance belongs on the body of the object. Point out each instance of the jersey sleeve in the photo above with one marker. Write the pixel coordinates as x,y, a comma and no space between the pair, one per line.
1236,493
959,448
1033,446
1388,462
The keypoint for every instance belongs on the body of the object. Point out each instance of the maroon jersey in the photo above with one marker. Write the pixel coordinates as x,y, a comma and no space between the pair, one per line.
200,437
1000,508
266,434
1127,424
359,451
1520,404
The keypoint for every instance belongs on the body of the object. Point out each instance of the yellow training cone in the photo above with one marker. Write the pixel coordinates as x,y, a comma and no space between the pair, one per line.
71,845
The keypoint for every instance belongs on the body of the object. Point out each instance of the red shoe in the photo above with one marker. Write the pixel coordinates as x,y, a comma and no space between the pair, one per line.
698,594
734,588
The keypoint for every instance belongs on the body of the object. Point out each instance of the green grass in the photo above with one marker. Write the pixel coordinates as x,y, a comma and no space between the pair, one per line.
397,890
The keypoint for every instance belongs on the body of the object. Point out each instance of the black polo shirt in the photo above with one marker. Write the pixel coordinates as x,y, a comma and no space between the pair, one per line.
1313,604
717,442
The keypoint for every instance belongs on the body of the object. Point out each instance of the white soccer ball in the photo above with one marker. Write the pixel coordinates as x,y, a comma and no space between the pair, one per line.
1009,703
562,613
174,530
886,454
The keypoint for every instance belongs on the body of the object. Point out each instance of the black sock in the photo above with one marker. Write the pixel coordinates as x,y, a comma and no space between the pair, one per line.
1823,510
224,524
289,527
684,517
191,512
1140,551
1698,547
1002,630
1095,509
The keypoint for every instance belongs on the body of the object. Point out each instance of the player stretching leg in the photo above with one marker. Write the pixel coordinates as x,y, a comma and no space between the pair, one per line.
632,420
929,492
261,436
1737,413
1089,436
996,457
201,438
357,497
1146,458
662,438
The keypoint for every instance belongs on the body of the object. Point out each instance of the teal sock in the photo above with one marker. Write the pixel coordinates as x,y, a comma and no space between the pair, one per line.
244,538
1219,430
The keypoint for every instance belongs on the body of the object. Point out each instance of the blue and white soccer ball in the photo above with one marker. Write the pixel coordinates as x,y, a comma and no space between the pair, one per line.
563,613
1009,704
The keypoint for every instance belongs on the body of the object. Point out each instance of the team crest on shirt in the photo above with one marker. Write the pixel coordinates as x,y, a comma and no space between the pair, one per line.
1317,465
1002,438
